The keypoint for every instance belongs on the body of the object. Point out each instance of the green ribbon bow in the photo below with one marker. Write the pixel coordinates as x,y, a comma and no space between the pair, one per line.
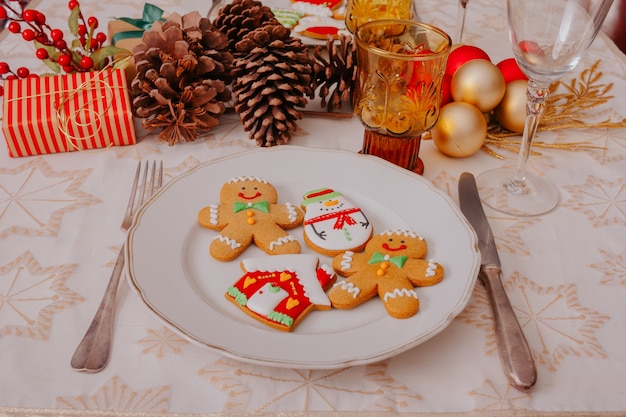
396,260
151,14
263,206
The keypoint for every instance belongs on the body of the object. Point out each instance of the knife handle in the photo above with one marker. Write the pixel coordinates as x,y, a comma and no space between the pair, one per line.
514,351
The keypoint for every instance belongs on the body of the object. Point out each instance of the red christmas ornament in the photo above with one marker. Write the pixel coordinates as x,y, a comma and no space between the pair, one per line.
462,54
511,71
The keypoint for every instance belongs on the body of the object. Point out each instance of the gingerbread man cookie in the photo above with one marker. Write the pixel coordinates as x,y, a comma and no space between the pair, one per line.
391,266
249,213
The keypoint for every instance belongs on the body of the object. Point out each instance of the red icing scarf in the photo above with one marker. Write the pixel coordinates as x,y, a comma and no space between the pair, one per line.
342,216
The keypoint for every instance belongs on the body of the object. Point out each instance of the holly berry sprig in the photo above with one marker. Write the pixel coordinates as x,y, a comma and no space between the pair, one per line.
86,52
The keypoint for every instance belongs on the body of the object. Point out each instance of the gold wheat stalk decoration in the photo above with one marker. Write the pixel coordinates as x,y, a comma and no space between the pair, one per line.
565,110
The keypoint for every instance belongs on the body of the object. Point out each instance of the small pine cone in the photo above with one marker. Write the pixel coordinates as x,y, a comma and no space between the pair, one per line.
241,17
271,78
335,73
183,72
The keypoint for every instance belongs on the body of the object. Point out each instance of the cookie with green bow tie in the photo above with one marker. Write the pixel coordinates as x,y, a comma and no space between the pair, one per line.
249,213
391,266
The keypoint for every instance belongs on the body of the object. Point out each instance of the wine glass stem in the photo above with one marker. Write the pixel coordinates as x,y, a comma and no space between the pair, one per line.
536,96
460,21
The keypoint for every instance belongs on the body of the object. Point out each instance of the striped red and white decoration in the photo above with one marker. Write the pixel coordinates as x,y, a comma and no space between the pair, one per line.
64,113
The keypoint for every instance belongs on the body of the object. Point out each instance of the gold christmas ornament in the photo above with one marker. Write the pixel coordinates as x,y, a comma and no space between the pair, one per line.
511,112
480,83
460,130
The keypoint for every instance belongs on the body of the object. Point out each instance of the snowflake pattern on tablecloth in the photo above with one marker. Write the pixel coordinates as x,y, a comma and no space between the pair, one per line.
116,395
554,322
603,202
609,145
262,389
37,197
161,342
510,240
493,397
613,268
30,296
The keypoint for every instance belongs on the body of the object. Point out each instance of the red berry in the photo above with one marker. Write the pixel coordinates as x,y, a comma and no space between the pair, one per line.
60,45
56,34
14,27
86,62
22,72
82,30
72,4
101,37
40,19
92,22
29,34
4,68
41,53
94,44
3,13
68,68
29,15
64,60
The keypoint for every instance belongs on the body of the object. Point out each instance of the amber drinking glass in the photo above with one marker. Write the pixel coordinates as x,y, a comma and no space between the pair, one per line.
400,65
363,11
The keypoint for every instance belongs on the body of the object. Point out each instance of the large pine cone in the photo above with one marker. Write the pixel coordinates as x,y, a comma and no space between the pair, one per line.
271,78
334,71
183,72
241,17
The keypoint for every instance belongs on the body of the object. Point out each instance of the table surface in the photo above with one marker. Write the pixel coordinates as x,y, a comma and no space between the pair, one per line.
565,273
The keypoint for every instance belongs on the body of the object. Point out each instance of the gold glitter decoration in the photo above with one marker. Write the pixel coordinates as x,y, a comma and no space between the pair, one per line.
565,110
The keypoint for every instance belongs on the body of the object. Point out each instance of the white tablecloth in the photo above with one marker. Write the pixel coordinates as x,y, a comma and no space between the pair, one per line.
565,274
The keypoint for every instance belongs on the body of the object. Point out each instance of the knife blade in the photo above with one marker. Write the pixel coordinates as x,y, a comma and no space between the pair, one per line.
515,354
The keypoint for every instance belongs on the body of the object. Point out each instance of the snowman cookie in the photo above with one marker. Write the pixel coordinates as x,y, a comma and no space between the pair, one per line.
249,213
391,266
332,224
281,290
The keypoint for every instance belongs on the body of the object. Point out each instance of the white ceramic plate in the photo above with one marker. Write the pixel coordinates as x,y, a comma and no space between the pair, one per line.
169,265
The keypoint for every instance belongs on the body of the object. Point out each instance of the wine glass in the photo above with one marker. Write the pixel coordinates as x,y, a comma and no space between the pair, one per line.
549,38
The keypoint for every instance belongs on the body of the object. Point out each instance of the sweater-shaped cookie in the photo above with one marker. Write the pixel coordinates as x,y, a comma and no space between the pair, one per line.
281,290
391,266
332,224
249,213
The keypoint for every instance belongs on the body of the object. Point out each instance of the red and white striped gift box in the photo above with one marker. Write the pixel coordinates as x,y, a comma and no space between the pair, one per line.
64,113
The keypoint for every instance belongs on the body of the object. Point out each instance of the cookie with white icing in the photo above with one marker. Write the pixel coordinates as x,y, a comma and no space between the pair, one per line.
282,290
333,224
391,266
249,213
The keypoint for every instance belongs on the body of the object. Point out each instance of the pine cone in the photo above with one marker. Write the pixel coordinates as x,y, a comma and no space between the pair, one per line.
271,78
183,72
240,17
335,73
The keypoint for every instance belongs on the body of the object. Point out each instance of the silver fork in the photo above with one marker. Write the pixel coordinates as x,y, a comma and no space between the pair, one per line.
93,352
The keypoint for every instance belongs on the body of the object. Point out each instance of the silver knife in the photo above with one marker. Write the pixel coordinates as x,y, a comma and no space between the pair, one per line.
517,359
